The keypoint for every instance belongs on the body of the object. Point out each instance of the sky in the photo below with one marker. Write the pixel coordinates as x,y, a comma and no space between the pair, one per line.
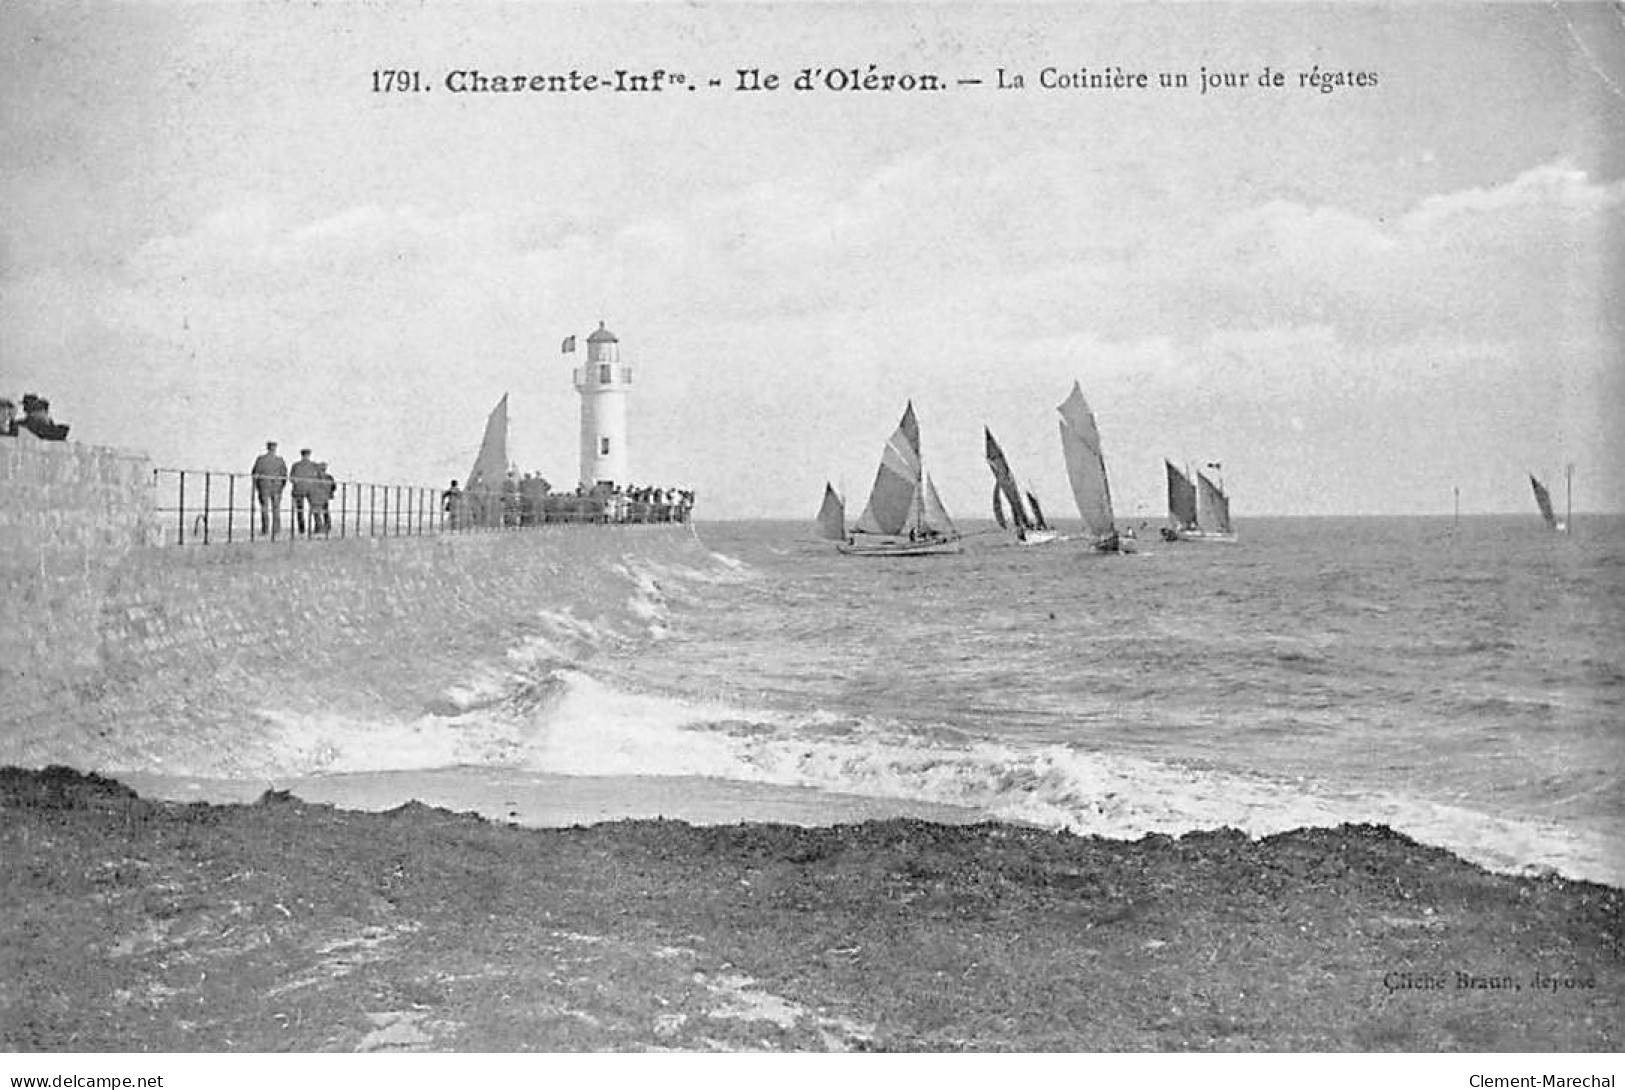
1356,300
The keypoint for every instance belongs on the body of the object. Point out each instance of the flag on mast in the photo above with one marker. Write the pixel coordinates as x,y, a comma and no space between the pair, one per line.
569,344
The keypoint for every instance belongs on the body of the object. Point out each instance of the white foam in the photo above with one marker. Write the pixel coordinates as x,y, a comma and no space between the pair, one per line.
302,745
595,729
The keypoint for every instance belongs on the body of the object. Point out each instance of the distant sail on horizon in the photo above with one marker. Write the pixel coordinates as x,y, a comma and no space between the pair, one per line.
1543,499
832,515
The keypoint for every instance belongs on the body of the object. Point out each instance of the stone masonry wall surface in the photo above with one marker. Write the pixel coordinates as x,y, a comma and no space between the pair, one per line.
107,628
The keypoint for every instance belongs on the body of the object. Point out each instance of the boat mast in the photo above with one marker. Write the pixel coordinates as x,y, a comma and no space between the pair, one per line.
1568,482
1196,497
1457,491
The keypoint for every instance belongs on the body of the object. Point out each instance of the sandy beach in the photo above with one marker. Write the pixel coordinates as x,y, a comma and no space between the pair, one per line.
546,801
290,925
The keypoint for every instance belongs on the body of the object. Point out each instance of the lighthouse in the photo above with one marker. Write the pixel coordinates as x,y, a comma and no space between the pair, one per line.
603,384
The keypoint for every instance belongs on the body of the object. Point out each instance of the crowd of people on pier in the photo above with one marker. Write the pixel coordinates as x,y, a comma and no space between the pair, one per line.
529,500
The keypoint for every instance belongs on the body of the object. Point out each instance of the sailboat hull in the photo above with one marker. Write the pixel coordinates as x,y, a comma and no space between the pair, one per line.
1111,543
1117,543
883,545
1037,537
1208,537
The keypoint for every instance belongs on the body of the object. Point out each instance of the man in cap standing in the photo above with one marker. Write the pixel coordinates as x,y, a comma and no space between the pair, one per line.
304,475
270,474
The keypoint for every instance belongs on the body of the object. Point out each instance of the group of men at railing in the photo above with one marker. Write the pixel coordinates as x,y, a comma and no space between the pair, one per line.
529,500
313,487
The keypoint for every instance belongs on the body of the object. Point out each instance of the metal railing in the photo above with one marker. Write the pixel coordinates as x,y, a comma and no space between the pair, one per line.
203,507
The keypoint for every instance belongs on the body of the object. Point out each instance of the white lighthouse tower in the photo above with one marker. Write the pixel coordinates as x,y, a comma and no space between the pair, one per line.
603,384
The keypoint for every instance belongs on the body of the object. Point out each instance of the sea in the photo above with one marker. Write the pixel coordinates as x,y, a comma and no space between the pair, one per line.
1462,682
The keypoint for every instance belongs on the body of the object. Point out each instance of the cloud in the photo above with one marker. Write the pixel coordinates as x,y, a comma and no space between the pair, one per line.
1557,189
978,280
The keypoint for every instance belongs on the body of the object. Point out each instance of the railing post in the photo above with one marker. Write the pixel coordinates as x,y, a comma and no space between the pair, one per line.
180,526
372,510
344,496
208,485
231,505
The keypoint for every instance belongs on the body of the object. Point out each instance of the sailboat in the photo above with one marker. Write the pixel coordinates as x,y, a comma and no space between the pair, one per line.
905,516
1199,512
1031,529
1086,470
484,486
832,515
1543,499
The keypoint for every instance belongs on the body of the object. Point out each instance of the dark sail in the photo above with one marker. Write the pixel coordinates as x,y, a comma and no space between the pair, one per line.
1544,499
1005,482
1039,521
1181,498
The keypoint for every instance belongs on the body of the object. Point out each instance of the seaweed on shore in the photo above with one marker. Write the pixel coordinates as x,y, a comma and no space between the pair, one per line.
133,924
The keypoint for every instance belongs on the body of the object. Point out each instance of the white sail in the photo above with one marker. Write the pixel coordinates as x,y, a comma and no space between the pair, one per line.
483,488
897,482
1213,506
933,515
1085,464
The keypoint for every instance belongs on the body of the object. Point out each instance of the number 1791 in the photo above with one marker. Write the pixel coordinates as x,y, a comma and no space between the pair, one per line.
385,80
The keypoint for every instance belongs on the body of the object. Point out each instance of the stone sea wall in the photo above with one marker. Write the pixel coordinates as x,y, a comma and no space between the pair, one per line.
107,630
69,513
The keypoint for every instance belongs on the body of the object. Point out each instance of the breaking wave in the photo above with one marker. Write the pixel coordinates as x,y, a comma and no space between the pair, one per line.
569,722
565,696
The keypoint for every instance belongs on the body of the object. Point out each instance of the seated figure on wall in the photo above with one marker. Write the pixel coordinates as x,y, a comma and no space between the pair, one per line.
37,418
